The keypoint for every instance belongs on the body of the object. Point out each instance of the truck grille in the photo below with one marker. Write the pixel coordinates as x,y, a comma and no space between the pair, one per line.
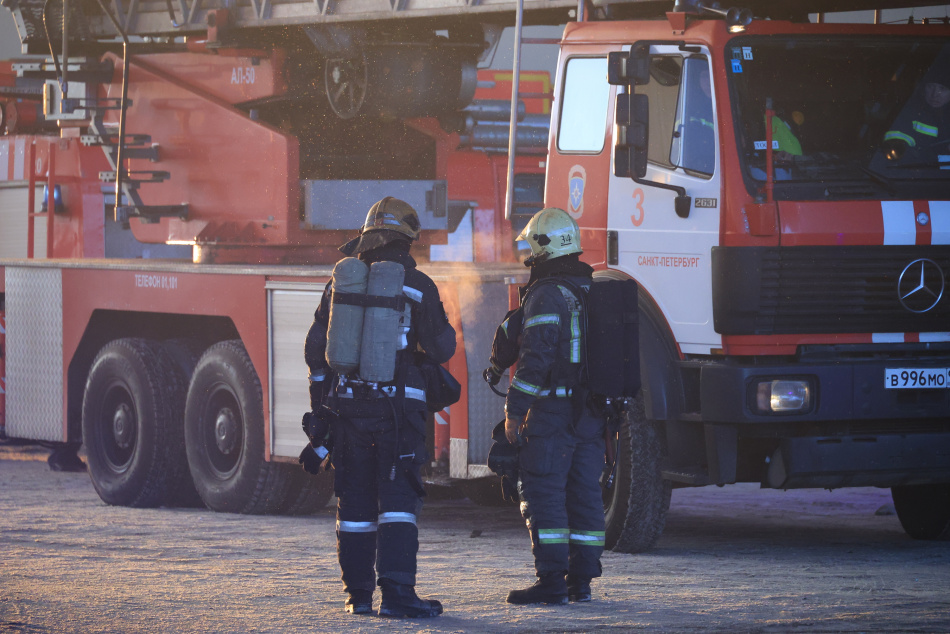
819,290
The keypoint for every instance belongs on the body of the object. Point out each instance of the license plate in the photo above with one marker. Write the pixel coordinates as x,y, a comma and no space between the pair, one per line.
916,378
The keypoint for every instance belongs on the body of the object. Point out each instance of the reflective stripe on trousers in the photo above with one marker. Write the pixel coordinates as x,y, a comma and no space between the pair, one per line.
552,535
355,527
392,517
587,538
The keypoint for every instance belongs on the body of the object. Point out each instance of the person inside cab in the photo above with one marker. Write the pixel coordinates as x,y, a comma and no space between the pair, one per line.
921,132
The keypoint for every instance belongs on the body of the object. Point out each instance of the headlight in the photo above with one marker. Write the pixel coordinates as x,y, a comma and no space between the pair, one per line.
783,396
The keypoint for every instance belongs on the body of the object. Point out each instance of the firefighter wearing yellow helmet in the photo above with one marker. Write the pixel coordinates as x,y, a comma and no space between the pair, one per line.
546,412
551,233
375,427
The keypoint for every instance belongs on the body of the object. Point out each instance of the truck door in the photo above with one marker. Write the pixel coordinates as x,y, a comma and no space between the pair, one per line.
579,156
666,252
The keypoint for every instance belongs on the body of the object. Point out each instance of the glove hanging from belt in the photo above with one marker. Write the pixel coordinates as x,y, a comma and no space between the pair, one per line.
503,461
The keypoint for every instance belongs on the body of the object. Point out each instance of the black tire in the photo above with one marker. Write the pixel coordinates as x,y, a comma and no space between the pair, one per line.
224,435
924,511
485,492
306,493
635,507
132,424
183,354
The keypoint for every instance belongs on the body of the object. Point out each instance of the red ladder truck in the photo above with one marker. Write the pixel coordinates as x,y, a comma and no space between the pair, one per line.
231,181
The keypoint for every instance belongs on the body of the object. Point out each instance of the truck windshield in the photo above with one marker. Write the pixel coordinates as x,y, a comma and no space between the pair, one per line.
852,117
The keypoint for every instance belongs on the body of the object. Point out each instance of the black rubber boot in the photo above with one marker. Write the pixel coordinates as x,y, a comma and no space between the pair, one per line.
578,588
400,601
359,602
64,457
549,588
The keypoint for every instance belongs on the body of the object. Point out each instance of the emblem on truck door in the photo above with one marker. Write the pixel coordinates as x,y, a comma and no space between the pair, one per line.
575,183
920,285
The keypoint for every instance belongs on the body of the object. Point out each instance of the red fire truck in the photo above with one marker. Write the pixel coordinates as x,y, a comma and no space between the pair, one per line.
275,227
791,258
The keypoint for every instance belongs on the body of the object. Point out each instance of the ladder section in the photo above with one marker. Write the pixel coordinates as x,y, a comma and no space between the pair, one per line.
185,17
124,148
70,94
153,17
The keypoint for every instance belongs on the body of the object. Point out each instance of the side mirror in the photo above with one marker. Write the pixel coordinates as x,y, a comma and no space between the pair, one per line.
628,69
633,117
633,123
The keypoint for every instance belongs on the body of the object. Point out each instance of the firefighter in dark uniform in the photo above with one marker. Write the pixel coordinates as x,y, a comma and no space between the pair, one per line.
562,440
378,435
921,132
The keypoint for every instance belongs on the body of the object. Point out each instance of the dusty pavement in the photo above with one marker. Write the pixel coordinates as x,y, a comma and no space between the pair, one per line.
734,559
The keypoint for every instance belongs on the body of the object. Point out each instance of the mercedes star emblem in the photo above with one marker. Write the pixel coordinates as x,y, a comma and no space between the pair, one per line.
920,285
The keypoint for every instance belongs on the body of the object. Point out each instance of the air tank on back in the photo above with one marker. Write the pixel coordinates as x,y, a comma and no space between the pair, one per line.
345,329
381,324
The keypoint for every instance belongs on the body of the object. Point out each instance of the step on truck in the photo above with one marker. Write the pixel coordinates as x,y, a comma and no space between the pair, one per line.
743,164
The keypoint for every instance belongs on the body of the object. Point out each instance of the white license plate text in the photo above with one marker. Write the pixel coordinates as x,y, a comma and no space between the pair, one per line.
916,378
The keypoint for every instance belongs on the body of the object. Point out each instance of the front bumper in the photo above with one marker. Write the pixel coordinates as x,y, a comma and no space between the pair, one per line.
855,433
882,460
845,391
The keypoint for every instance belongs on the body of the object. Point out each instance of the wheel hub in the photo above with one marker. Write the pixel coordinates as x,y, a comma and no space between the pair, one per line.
122,427
226,431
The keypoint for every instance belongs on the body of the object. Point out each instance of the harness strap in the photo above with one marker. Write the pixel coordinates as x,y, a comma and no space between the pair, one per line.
395,302
385,390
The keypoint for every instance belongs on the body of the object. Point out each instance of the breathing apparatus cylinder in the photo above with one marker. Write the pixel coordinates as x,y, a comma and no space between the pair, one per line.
381,324
349,276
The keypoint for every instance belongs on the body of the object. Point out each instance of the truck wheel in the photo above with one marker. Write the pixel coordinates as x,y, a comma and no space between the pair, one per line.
924,511
131,424
307,493
635,507
183,355
224,434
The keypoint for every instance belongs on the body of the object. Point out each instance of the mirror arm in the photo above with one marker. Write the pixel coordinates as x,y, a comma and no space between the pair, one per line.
682,202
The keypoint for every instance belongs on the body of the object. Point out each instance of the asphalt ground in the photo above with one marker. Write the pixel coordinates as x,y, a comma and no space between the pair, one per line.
732,559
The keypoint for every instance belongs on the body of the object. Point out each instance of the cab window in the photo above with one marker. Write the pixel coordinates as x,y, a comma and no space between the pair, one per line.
694,136
583,120
682,126
663,89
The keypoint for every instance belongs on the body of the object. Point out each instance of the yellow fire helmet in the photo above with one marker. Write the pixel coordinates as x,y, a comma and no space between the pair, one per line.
550,233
